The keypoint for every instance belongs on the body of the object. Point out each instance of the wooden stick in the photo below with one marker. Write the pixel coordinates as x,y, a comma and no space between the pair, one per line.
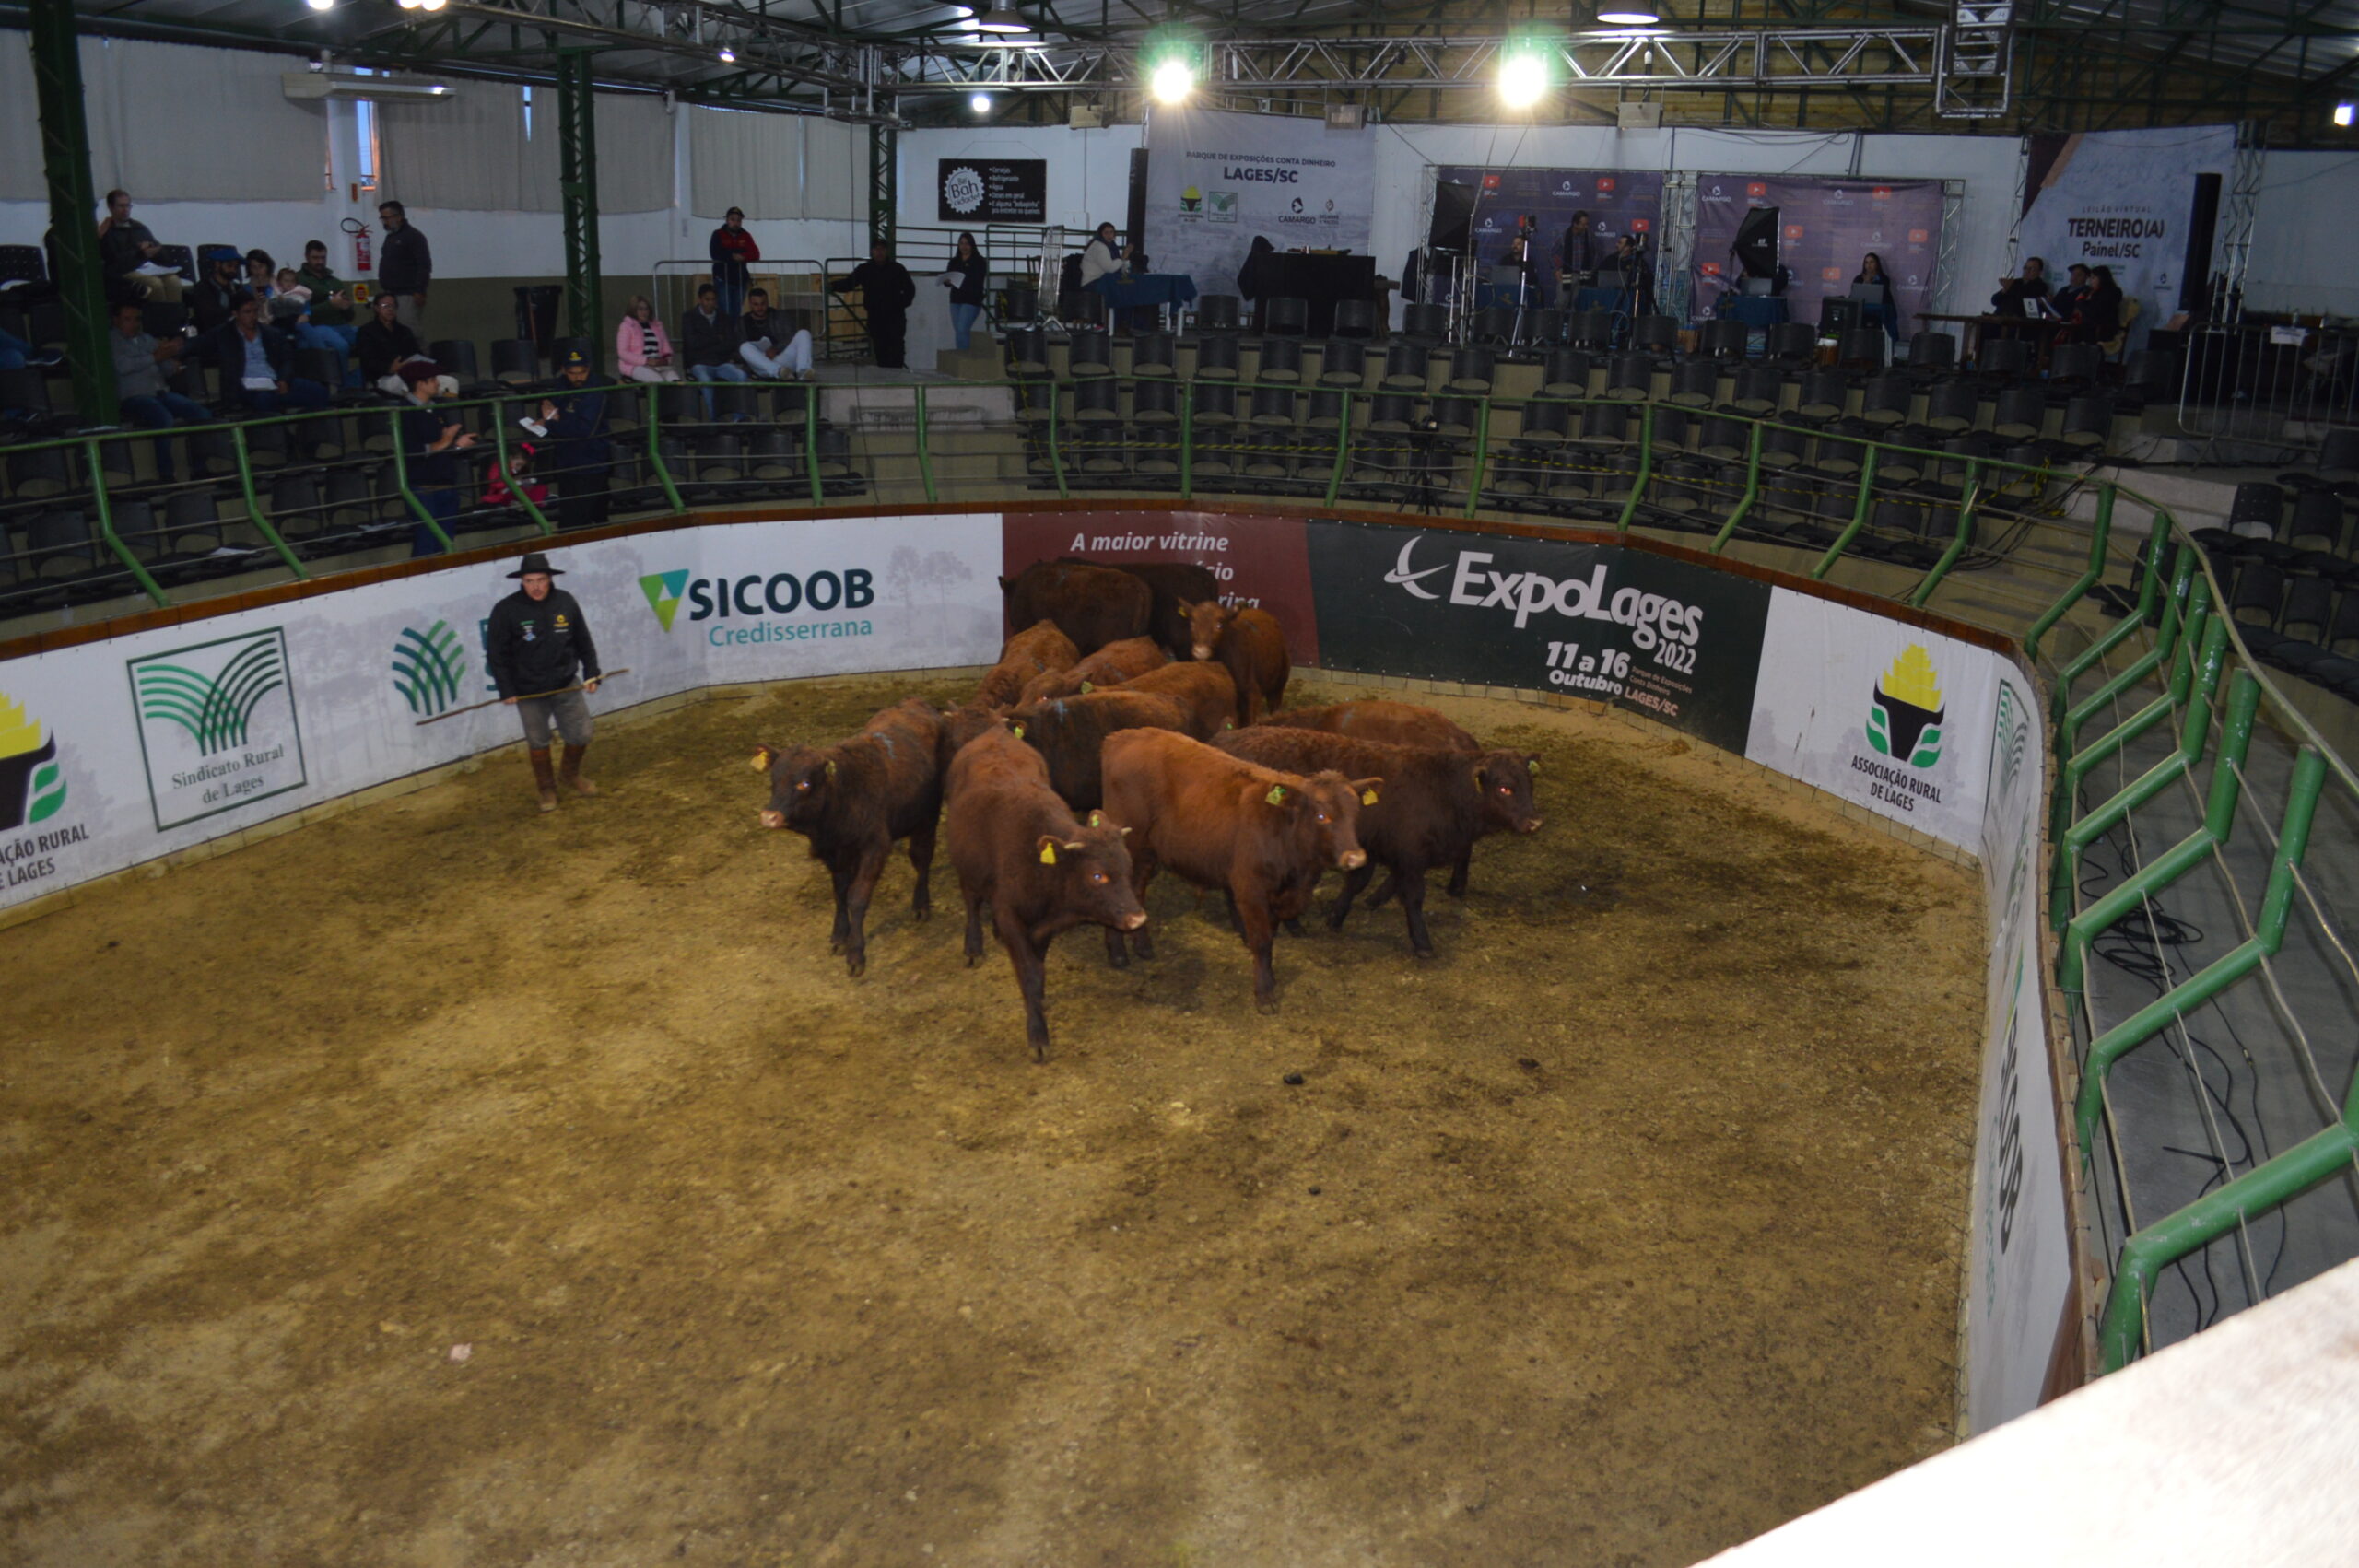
530,696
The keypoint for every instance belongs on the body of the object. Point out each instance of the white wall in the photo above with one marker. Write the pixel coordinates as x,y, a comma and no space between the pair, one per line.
2301,234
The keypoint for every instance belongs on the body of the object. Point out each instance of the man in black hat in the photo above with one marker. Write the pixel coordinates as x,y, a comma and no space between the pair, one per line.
579,451
537,639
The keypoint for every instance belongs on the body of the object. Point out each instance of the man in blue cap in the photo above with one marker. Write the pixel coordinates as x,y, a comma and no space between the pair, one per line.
578,454
537,640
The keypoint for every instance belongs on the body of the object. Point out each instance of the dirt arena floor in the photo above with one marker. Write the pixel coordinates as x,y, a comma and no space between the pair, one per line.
444,1184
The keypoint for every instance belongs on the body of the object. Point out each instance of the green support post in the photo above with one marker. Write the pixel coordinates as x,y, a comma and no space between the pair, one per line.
1858,517
401,483
1343,436
1752,491
925,464
883,183
1482,451
2269,936
578,183
1645,468
2099,530
655,449
253,501
1969,498
522,492
2149,591
811,445
147,584
2219,822
1056,446
2183,579
73,207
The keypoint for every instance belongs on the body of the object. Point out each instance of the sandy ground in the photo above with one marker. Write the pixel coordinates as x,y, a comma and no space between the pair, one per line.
446,1185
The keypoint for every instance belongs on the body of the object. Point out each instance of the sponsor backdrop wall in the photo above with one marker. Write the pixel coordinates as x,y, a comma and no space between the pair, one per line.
1825,227
1215,181
2123,199
116,752
1618,201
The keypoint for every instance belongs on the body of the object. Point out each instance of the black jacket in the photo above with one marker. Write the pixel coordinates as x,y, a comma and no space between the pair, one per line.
408,265
426,468
227,348
2015,299
379,346
537,646
577,436
973,273
211,302
886,288
1577,251
713,341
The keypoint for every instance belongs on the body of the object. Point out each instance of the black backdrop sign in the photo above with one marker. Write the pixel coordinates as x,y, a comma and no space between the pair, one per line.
983,190
1679,642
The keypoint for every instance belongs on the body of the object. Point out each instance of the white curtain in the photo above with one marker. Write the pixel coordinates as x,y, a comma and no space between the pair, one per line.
634,153
140,102
739,158
469,151
835,171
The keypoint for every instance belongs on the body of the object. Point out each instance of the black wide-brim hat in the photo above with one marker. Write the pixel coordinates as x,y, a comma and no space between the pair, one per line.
537,562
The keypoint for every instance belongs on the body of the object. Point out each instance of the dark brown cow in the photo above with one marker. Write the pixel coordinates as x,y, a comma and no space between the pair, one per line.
1039,649
1109,666
1069,730
1250,645
1017,848
1434,805
1388,723
1218,821
853,800
1210,695
1174,584
1096,605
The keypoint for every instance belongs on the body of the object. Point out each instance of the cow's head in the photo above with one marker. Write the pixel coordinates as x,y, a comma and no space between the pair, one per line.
1325,807
1504,777
1206,622
801,783
1093,871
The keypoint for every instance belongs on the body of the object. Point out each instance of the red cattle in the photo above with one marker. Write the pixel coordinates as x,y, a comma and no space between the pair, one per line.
1374,718
1109,666
1434,805
962,725
1210,695
1173,585
1094,605
1264,836
1250,645
853,800
1017,848
1069,730
1038,649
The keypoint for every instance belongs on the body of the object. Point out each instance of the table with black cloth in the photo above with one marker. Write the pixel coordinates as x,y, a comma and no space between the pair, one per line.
1323,281
1147,288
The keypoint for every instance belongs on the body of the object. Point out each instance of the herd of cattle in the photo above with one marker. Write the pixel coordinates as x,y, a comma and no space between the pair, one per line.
1134,724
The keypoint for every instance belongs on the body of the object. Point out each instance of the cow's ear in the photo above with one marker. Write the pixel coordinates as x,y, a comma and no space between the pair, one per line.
764,756
1048,849
1368,789
1185,608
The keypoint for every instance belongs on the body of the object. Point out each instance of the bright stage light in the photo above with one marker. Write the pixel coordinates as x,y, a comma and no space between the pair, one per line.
2343,114
1628,16
981,103
1523,77
1172,81
321,5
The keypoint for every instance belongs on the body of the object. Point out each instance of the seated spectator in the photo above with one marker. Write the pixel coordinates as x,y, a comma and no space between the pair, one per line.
289,305
127,253
1102,257
261,276
16,354
708,342
431,442
331,311
762,349
2078,286
387,348
642,347
141,363
215,299
258,366
502,489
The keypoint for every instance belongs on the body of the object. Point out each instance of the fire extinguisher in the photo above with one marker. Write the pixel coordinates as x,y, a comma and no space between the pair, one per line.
360,232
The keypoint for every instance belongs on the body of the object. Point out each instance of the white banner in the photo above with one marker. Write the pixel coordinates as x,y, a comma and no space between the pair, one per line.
1217,180
118,752
2019,1255
1894,718
2123,199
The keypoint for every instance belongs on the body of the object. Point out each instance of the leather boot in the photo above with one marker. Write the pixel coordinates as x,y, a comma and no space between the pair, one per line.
570,770
544,777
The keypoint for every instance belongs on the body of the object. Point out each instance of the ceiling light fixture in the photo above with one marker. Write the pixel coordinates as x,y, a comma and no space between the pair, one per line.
1523,77
981,103
1612,14
729,57
321,5
1002,18
2342,114
1172,81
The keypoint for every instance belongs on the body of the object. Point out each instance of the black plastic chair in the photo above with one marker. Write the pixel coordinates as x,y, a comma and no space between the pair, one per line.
455,356
1472,368
1281,360
1886,399
1098,402
1593,329
2003,356
2021,411
1354,318
1630,375
1405,366
1027,351
1154,354
1759,389
1425,322
2076,364
514,360
1727,338
1089,353
1824,393
1791,343
1214,404
1655,335
1953,405
1929,351
1565,373
1216,358
1154,401
1343,364
1217,312
2318,521
1285,316
1695,382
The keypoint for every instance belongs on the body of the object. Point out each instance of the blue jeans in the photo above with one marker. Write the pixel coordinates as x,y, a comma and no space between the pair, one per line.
710,373
444,504
13,350
962,324
732,291
162,412
300,393
338,341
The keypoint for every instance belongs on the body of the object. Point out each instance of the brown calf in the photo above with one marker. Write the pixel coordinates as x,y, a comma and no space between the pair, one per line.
1435,804
1264,836
853,800
1210,695
1017,848
1250,645
1038,649
1069,730
1173,585
1395,724
1109,666
1094,605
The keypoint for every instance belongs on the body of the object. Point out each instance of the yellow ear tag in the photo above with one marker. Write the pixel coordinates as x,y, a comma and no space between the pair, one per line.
1533,766
831,769
1087,688
1277,795
1097,819
1367,797
1048,854
1019,731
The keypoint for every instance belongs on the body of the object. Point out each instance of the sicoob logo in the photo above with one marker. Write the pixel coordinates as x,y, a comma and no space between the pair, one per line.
1651,618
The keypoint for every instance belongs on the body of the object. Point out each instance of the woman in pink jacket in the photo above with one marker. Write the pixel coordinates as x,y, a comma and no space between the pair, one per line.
641,346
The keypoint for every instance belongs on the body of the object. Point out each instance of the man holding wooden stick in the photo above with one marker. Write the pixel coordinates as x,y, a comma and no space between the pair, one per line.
537,639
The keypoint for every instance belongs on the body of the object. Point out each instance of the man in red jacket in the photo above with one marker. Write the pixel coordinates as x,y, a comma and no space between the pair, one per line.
733,252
